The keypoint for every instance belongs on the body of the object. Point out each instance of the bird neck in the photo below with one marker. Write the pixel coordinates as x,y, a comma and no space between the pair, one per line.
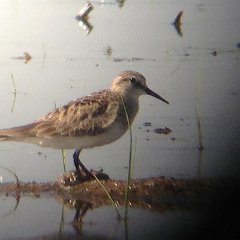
131,106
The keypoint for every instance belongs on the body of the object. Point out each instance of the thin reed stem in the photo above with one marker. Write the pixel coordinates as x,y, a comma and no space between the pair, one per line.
13,173
64,159
130,163
109,196
14,85
133,157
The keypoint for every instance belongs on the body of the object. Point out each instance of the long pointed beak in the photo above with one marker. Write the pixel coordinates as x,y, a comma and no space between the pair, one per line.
152,93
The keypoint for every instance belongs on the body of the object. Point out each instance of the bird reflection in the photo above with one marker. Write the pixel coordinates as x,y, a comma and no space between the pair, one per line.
81,208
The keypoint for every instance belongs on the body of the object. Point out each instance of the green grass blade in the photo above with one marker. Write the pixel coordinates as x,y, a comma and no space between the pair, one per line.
130,163
109,196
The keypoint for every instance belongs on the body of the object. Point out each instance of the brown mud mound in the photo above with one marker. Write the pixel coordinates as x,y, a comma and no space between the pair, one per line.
159,193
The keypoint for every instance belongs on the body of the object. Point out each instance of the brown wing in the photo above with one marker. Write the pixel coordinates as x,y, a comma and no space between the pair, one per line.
85,116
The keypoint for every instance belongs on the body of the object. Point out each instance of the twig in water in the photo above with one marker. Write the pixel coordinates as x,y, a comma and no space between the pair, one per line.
13,173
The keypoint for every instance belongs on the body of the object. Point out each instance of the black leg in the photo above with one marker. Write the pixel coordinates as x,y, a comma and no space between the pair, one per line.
76,161
79,164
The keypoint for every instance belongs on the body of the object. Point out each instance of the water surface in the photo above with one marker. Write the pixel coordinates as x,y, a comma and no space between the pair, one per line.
198,73
56,221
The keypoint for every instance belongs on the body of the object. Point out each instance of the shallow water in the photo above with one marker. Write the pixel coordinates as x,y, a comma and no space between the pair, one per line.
198,73
56,221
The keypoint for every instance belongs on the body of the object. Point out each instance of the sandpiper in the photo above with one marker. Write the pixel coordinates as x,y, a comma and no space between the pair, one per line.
94,120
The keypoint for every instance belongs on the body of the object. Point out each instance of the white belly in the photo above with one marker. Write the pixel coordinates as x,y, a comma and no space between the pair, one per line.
80,142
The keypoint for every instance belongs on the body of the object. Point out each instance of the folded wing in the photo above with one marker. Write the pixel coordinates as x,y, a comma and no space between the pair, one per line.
89,115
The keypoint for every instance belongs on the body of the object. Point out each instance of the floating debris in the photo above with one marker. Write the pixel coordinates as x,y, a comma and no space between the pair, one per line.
86,26
164,130
214,53
234,93
238,45
147,124
178,19
83,13
133,59
82,17
26,56
178,23
120,3
108,51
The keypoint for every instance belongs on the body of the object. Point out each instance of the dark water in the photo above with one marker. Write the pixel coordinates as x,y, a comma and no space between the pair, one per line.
198,73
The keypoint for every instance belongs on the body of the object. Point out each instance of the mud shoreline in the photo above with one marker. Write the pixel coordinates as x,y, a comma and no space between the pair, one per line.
158,193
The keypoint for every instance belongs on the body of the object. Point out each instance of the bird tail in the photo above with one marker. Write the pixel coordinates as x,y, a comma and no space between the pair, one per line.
9,134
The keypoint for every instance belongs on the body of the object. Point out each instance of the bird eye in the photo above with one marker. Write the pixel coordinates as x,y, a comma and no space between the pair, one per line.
133,80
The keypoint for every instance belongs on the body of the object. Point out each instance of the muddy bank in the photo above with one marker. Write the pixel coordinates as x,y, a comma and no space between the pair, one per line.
159,193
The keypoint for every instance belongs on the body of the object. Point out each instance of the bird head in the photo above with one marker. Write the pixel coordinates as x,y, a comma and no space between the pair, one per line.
131,83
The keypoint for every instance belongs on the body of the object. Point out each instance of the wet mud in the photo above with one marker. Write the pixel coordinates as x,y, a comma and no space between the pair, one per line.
157,193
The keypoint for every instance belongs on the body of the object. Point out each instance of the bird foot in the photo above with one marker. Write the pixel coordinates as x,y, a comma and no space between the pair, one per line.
72,178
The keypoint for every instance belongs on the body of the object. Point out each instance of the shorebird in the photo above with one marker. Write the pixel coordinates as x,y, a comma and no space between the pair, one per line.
94,120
